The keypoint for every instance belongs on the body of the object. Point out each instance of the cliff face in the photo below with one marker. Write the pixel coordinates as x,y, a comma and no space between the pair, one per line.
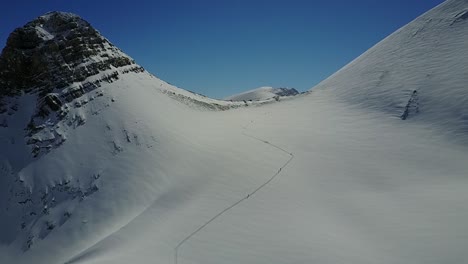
54,51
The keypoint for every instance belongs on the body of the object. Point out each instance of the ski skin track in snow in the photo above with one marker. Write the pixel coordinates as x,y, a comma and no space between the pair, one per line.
181,243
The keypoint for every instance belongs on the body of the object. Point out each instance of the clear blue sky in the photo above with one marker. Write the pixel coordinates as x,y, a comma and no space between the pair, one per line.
221,47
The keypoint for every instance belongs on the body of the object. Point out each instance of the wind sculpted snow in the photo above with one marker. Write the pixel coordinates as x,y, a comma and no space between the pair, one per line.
426,57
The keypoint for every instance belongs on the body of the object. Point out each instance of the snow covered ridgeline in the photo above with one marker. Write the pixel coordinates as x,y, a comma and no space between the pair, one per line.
62,61
263,93
418,73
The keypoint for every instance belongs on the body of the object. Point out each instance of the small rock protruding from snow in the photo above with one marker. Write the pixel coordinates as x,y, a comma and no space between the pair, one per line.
412,107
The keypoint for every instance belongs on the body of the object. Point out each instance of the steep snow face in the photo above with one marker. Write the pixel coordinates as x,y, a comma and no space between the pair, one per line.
263,93
419,72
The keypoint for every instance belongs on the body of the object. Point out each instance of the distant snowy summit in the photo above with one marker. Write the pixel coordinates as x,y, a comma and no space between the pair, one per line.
262,93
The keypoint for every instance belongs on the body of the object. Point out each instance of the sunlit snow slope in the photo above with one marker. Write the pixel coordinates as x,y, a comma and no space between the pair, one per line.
363,169
418,72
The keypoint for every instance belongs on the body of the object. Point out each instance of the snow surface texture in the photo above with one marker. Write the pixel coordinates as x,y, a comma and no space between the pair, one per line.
378,174
262,93
420,72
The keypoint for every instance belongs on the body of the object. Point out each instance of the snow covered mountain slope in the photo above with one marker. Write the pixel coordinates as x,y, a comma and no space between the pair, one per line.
362,188
127,174
63,128
262,93
419,72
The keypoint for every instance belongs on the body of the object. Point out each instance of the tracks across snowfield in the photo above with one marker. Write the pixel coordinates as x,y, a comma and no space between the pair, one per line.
291,157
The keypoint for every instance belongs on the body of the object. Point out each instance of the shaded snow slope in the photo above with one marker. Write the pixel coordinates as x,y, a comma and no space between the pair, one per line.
419,72
139,165
362,188
263,93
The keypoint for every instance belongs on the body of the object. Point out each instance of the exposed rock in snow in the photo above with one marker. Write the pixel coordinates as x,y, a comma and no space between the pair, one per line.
263,93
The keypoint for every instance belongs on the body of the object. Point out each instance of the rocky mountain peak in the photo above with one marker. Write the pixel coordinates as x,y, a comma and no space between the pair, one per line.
61,60
60,24
53,51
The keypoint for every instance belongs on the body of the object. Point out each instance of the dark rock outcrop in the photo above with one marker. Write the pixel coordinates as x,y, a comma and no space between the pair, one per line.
53,51
412,107
286,92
